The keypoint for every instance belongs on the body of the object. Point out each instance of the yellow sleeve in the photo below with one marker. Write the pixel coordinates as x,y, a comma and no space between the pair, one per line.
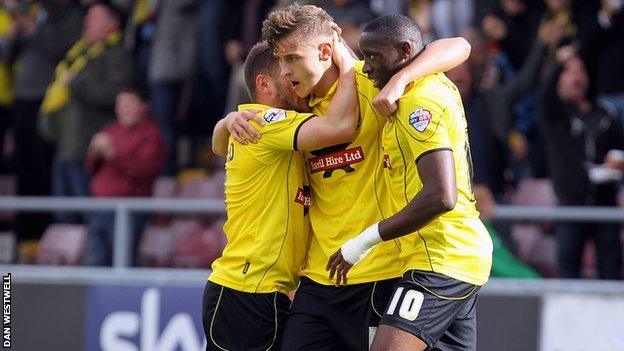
425,127
281,129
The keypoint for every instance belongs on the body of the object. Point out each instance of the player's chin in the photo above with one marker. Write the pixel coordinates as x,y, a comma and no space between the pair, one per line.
378,83
302,91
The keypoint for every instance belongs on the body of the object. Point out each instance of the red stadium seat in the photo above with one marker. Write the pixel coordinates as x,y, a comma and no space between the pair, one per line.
544,256
8,243
198,248
164,187
8,187
535,192
156,246
530,237
202,188
62,244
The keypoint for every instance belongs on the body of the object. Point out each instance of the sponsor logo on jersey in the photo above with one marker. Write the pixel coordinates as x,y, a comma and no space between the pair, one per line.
386,162
274,115
303,197
419,119
336,160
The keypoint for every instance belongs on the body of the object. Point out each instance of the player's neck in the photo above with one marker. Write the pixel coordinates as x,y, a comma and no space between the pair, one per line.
327,80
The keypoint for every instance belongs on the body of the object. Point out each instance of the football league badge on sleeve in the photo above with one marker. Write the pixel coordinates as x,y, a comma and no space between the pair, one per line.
419,119
274,115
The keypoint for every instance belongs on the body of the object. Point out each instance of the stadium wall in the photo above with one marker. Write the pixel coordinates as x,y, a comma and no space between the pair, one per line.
160,309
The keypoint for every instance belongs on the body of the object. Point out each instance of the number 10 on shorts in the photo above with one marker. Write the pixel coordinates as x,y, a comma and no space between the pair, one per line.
412,301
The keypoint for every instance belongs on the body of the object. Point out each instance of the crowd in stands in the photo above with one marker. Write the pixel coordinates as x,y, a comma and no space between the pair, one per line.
118,98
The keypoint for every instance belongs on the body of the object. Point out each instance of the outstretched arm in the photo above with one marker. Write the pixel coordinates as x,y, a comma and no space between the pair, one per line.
439,56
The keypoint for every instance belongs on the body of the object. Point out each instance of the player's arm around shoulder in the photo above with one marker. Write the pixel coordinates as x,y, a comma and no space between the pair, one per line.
236,124
339,125
441,55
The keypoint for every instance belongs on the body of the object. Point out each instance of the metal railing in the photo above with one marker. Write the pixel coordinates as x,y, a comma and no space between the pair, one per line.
123,209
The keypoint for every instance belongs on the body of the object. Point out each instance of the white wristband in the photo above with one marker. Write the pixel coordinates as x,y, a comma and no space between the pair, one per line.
354,250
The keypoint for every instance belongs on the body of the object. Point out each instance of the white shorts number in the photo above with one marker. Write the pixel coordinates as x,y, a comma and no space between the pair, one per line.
412,301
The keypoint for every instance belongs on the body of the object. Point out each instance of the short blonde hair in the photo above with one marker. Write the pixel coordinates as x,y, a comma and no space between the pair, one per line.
305,22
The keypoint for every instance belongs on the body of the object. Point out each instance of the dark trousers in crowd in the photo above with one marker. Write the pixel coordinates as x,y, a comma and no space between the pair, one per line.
69,178
32,159
99,246
165,99
606,236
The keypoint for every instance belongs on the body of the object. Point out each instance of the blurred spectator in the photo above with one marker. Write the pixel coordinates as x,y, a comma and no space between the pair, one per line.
488,154
580,135
351,16
607,54
578,17
6,86
244,21
124,158
40,37
511,107
512,26
382,7
139,31
451,17
486,159
420,12
81,98
172,67
212,71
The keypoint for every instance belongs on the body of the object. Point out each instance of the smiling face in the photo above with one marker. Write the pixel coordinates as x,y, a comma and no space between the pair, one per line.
303,64
381,59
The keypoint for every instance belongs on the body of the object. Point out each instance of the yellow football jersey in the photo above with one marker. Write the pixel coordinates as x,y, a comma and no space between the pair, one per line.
347,194
266,203
430,117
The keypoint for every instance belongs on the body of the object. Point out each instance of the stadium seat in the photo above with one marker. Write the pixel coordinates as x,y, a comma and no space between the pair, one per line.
164,187
535,192
589,263
529,237
155,246
198,248
543,257
62,244
202,188
8,244
181,225
8,187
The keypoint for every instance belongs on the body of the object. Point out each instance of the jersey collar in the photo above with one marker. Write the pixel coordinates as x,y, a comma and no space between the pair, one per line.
330,93
253,106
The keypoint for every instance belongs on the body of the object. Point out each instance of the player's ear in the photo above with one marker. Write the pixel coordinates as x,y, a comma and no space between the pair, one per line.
325,51
405,50
262,84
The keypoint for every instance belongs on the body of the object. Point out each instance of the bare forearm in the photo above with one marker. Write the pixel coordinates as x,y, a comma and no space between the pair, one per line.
437,196
439,56
220,137
425,207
